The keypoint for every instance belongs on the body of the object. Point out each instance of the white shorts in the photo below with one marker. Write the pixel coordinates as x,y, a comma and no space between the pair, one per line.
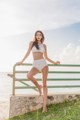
39,64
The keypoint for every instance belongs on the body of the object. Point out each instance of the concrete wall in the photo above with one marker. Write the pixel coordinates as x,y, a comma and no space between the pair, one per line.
21,104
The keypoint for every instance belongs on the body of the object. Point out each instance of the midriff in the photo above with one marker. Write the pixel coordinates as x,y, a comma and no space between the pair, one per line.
37,55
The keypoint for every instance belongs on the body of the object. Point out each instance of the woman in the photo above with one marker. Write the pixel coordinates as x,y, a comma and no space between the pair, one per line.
39,51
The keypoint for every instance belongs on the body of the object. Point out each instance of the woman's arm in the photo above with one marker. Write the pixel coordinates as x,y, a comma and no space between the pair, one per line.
48,59
27,54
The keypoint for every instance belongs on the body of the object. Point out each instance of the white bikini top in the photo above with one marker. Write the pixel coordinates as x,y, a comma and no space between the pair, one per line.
41,48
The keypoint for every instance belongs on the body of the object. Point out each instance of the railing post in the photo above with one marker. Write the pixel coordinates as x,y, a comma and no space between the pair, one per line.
13,89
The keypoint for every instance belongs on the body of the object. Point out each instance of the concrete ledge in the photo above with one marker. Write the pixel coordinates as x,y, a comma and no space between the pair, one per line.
21,104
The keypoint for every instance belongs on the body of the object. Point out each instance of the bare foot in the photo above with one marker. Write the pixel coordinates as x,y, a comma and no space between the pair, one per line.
44,110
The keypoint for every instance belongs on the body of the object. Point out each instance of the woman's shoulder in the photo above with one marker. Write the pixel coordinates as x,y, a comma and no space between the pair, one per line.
45,45
31,43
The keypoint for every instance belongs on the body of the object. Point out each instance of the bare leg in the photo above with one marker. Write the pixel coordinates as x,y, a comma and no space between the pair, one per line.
44,77
30,75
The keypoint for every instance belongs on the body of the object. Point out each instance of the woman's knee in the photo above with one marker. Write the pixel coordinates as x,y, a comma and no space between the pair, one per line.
29,76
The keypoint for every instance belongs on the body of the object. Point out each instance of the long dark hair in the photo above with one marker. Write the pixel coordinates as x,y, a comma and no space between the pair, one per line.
35,43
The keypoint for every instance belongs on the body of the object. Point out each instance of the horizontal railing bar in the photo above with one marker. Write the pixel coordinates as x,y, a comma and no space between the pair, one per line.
33,87
22,79
64,72
67,65
28,85
51,79
52,72
21,71
64,86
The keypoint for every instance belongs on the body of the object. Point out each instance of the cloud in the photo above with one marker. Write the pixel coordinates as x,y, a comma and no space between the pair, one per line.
71,54
21,16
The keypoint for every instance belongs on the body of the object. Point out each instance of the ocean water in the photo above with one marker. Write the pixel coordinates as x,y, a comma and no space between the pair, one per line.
5,86
5,92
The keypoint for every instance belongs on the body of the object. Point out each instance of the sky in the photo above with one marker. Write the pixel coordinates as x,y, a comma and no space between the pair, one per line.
58,19
21,16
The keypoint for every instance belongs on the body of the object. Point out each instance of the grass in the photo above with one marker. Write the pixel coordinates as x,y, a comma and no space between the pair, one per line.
69,110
